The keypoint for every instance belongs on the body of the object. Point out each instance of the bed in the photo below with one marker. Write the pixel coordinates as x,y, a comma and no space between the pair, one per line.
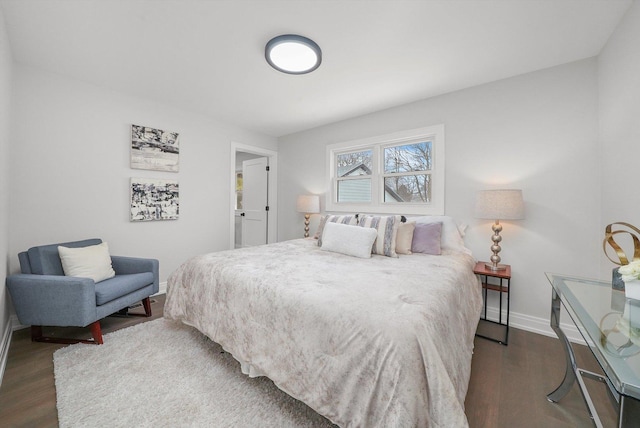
365,342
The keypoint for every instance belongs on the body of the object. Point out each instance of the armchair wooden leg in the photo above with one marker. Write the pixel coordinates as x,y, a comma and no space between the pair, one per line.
147,306
96,333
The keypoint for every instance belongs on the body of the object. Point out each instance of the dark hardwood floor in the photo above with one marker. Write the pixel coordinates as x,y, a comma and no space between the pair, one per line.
508,384
28,393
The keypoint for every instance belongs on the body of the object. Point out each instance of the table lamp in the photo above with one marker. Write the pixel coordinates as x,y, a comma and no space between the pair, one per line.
308,204
505,204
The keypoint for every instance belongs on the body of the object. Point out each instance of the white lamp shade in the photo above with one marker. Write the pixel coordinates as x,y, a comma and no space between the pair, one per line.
308,204
505,204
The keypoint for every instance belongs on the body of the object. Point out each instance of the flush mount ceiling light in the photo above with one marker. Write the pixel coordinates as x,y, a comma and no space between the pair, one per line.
293,54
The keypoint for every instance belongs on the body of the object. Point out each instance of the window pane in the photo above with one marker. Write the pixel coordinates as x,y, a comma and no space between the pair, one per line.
408,188
358,190
354,163
408,157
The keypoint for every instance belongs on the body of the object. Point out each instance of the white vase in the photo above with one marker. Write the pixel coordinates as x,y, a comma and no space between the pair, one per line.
629,322
632,289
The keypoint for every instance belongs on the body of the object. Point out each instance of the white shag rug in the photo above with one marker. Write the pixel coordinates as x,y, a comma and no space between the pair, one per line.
165,374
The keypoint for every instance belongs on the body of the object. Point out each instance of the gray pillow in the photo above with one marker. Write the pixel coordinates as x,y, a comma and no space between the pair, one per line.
426,238
387,229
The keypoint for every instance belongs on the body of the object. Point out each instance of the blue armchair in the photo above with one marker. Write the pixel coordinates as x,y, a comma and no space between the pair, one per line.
43,296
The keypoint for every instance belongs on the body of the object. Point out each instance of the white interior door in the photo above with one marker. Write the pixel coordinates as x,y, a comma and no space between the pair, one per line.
255,185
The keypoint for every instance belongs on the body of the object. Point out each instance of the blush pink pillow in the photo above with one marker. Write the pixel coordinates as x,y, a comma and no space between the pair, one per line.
426,238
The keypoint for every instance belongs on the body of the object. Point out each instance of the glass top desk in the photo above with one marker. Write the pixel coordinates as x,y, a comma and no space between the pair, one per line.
610,325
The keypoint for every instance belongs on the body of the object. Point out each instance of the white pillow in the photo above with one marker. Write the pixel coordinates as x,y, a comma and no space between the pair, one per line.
350,240
451,237
87,262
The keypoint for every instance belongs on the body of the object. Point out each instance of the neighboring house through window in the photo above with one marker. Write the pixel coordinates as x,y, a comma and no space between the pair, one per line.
397,173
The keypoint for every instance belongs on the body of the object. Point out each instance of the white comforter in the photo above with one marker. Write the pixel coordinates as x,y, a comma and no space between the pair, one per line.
380,342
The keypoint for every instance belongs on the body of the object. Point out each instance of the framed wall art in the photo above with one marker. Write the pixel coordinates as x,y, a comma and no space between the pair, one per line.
154,149
154,199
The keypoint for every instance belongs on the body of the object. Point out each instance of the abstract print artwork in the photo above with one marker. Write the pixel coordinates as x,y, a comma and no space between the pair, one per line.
154,149
154,199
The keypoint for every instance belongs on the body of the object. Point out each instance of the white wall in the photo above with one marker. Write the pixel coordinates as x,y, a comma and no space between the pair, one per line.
70,165
70,171
5,120
537,132
619,113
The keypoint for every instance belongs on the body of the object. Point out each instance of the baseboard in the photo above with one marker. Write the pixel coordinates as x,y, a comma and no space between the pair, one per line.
15,323
537,325
4,348
162,289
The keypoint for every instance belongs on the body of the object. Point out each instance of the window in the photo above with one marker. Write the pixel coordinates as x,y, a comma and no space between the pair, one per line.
402,172
354,176
407,172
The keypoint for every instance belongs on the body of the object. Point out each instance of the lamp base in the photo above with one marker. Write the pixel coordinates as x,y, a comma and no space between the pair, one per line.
306,225
496,267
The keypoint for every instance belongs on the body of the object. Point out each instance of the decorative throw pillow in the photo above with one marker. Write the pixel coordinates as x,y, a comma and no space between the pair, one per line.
426,238
341,219
320,228
451,238
87,262
404,238
387,228
348,239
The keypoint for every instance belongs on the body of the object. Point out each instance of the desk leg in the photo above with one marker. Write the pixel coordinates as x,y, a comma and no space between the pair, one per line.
570,371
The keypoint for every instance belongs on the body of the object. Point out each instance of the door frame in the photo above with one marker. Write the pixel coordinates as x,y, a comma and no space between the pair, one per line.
272,194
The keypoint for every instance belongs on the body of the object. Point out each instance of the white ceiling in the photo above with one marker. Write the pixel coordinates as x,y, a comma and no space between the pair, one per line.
208,56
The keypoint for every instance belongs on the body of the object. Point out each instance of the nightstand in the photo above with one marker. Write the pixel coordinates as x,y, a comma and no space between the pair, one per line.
496,281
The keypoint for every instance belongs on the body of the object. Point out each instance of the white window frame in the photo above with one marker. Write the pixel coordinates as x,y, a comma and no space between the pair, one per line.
433,133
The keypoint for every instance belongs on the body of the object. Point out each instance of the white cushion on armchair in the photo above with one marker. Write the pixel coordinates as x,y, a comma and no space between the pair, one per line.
92,262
